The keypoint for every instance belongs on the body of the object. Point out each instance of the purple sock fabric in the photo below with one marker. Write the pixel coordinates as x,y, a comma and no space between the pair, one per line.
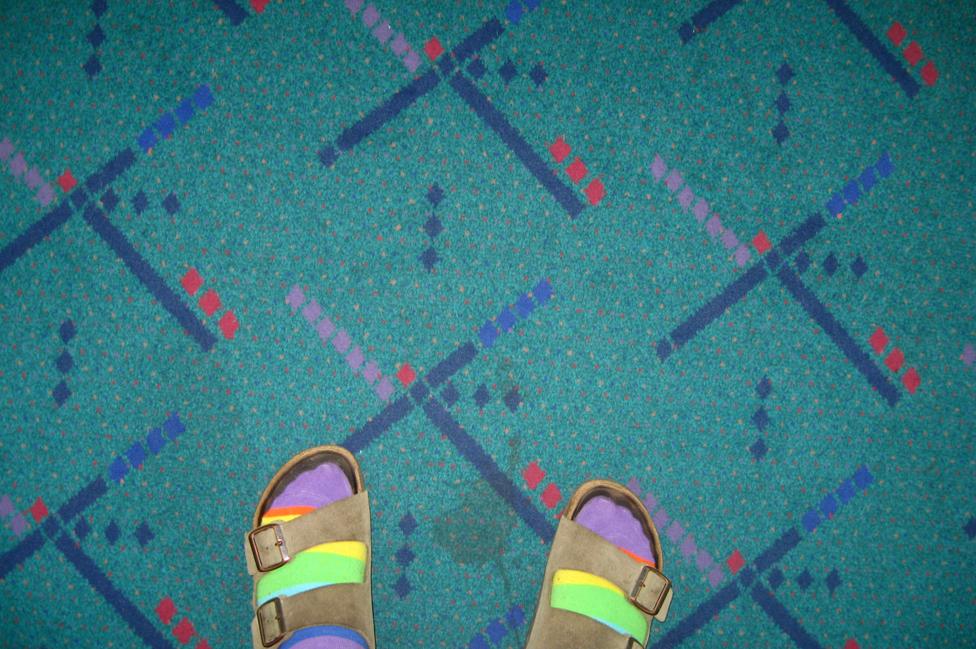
616,524
317,487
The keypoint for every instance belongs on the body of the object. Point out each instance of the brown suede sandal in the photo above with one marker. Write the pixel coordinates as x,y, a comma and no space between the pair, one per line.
594,595
312,571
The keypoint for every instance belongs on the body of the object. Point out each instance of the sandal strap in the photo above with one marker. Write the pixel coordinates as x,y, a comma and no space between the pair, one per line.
270,546
338,605
577,548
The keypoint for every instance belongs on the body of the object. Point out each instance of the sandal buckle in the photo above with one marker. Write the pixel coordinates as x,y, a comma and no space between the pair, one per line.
271,622
639,586
279,543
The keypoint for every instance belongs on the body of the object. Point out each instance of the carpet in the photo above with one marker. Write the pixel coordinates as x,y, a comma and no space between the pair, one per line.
720,251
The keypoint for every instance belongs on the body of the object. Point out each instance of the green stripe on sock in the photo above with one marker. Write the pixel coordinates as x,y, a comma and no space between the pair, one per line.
311,568
604,606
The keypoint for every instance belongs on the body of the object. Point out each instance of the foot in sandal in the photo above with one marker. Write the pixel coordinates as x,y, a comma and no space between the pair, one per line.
603,584
309,553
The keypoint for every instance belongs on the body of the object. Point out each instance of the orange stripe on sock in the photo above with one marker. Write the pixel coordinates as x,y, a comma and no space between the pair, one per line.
637,558
296,510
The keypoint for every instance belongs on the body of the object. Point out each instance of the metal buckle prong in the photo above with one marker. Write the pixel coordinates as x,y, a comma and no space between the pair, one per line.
279,543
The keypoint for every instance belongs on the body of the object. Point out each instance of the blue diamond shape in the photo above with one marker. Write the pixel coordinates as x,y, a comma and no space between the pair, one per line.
512,399
429,259
96,36
803,580
184,112
143,534
524,306
98,7
802,262
760,419
155,440
117,469
166,124
785,73
782,103
61,393
67,330
835,205
173,426
868,179
758,449
538,75
64,362
858,267
136,455
764,387
140,202
515,616
147,139
508,71
433,226
780,133
810,520
496,631
884,166
775,578
405,556
171,204
478,642
203,97
505,320
481,396
828,506
514,11
542,292
863,478
112,533
476,68
408,524
449,395
488,334
833,581
328,155
435,194
92,67
852,193
663,348
830,264
402,587
846,491
970,528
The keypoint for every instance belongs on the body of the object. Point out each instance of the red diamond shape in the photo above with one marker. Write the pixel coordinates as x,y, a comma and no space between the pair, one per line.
913,53
166,609
203,644
551,496
735,562
184,631
38,510
210,302
406,374
761,243
559,149
192,281
878,340
433,48
595,191
259,5
66,181
533,475
576,170
228,325
911,379
895,360
896,33
929,74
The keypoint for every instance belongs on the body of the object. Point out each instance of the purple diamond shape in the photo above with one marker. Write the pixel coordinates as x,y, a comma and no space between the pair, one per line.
715,577
355,358
18,524
295,298
312,311
399,46
33,178
411,61
658,168
688,547
370,16
371,372
341,341
45,195
676,531
700,210
674,181
704,561
968,355
383,32
384,389
6,507
18,165
729,240
6,148
742,256
685,197
714,226
325,328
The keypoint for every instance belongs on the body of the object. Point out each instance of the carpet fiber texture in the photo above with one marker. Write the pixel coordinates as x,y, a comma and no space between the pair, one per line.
721,252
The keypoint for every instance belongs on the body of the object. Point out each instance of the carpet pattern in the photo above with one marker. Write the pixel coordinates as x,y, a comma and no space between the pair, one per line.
719,251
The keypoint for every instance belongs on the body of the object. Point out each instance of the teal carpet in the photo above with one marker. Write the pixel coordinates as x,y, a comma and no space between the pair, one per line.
720,251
